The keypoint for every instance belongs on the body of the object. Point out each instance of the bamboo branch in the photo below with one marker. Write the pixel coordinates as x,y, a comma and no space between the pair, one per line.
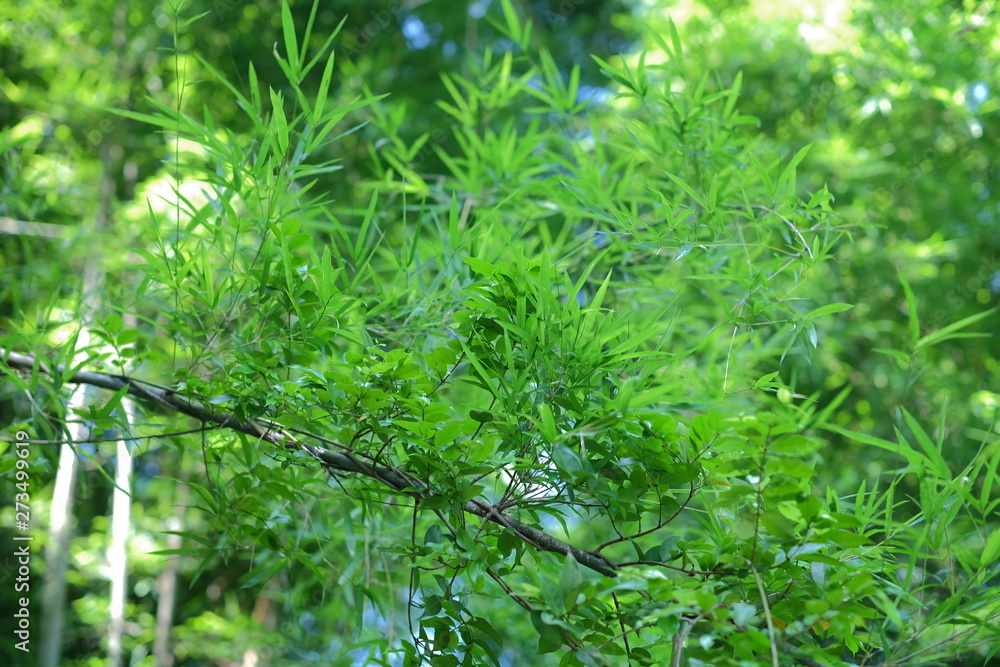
345,461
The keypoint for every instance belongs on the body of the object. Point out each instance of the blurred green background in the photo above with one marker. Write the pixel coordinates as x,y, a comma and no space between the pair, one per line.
897,98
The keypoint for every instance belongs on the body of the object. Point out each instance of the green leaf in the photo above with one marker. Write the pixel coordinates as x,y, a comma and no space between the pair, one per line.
948,332
550,637
188,21
828,309
902,357
913,457
481,416
506,541
127,336
291,41
479,266
255,105
683,252
552,593
933,452
433,534
742,613
675,38
279,125
787,176
513,24
566,459
113,323
112,403
261,575
811,334
911,307
766,380
612,73
323,91
991,552
546,423
688,189
570,580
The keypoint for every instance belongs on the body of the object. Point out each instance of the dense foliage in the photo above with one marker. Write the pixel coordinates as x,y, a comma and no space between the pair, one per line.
510,355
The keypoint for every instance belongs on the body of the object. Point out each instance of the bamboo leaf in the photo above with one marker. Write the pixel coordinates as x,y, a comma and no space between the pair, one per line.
291,41
911,308
950,331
